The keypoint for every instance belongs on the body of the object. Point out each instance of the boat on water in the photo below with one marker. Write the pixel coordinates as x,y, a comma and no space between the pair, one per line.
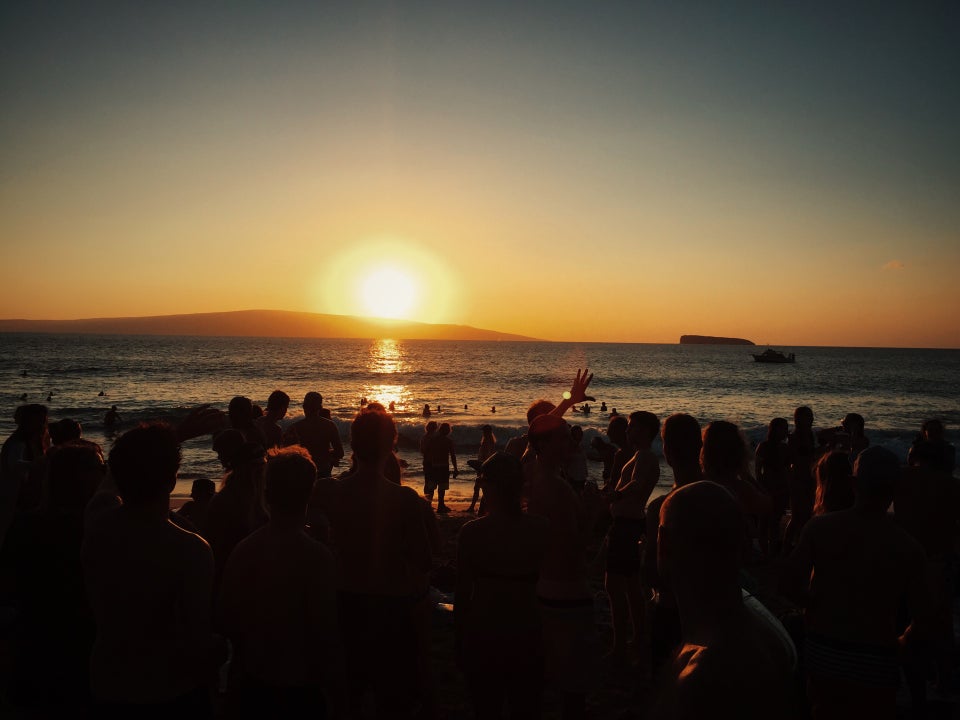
773,356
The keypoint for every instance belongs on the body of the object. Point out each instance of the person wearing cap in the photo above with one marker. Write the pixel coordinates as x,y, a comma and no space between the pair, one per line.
566,600
850,571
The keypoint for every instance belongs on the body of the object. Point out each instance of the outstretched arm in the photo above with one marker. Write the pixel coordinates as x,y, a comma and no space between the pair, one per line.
577,394
201,420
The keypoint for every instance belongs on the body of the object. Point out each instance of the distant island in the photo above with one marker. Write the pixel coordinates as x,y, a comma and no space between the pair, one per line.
260,323
711,340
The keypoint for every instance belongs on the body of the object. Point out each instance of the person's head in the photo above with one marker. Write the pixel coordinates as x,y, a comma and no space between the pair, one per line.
549,436
682,441
576,435
31,419
932,430
227,444
431,427
444,429
75,469
144,462
240,412
834,483
277,404
724,450
777,430
642,428
312,403
487,433
926,453
617,430
203,489
853,423
372,436
65,430
875,473
290,478
803,417
501,478
538,408
701,539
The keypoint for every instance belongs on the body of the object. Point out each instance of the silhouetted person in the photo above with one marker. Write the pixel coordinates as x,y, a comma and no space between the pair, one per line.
197,507
20,464
382,557
498,631
853,439
617,432
488,447
565,596
851,570
439,452
627,507
277,605
238,509
682,441
318,434
112,418
241,414
426,410
834,483
938,452
802,446
772,467
269,424
149,584
54,631
732,662
517,446
724,461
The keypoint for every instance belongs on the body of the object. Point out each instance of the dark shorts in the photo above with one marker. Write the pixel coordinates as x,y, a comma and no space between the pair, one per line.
434,478
623,549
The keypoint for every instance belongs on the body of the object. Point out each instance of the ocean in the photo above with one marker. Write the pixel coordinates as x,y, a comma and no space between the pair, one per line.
152,377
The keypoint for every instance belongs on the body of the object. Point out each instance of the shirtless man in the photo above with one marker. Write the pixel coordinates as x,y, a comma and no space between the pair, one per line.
565,597
627,505
850,571
438,454
682,441
269,424
383,559
149,585
317,434
732,662
278,604
497,616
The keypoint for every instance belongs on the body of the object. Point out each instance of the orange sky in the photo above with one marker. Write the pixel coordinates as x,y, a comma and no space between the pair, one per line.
602,177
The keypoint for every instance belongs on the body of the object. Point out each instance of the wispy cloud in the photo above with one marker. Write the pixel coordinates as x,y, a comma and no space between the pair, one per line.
894,265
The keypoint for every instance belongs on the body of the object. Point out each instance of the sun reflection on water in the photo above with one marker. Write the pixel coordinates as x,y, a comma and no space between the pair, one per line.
387,357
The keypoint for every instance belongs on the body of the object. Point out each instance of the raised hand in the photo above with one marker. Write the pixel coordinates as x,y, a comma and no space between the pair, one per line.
578,392
201,420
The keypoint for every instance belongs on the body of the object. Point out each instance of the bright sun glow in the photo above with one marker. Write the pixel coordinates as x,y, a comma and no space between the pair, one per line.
388,292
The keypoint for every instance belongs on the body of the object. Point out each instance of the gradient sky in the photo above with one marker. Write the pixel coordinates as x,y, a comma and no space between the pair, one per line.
632,171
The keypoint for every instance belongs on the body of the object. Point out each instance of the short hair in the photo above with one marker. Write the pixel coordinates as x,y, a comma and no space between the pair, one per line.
853,420
617,429
65,430
144,462
27,415
576,432
707,521
780,425
203,488
277,400
502,475
802,412
291,475
431,426
444,428
538,408
681,439
240,409
647,420
372,435
312,402
724,449
74,470
876,470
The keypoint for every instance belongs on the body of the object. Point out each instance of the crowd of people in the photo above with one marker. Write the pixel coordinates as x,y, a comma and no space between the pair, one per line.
291,592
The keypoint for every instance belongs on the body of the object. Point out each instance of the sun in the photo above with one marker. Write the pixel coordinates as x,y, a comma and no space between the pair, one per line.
388,292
